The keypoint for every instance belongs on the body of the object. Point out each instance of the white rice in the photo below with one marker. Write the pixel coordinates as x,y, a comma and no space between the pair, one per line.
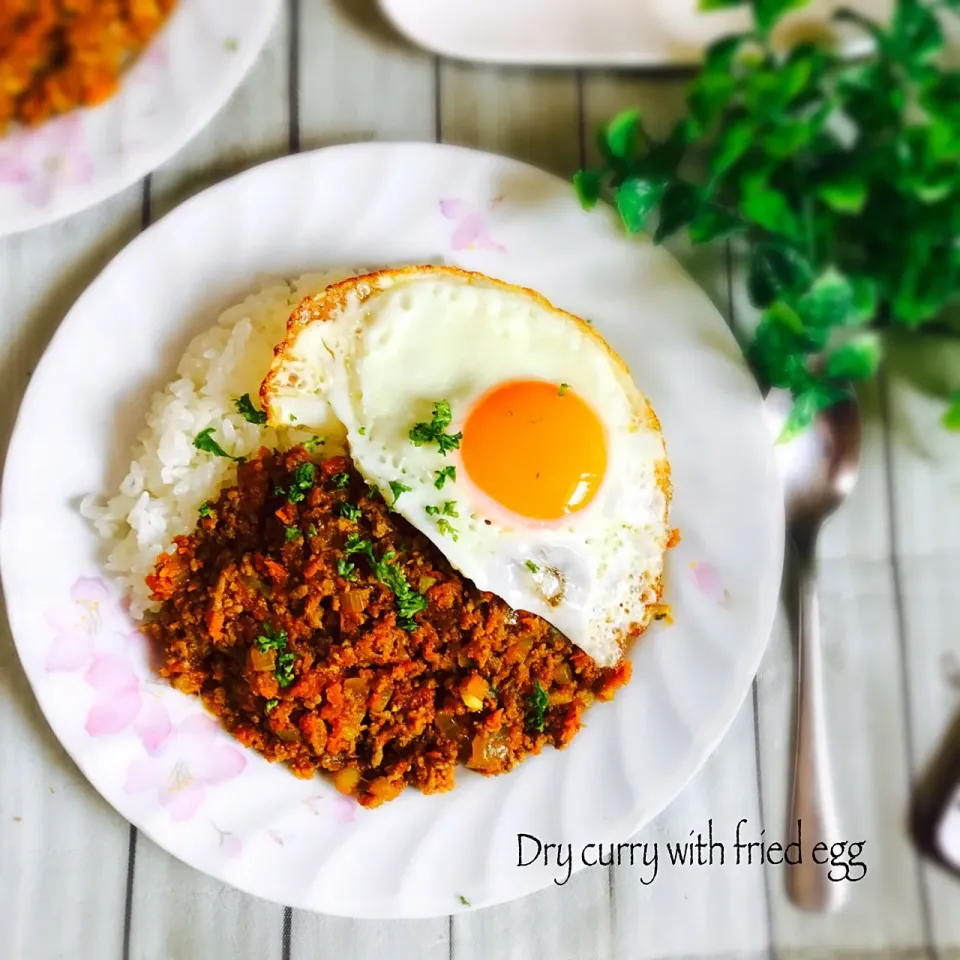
169,479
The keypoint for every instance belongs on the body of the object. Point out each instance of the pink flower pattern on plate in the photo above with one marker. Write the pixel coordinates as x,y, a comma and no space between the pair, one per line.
38,161
707,581
188,761
471,231
94,638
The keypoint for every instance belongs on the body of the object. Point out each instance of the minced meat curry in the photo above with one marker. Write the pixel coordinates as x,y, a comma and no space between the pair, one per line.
325,632
56,55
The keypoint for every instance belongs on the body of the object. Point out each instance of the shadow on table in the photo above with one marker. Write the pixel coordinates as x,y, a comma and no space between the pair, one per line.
365,15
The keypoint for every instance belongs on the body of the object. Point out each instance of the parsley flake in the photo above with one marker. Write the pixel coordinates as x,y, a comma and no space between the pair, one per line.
464,900
206,510
248,411
303,479
340,480
564,387
431,510
204,441
311,530
539,701
314,442
284,669
450,509
532,567
346,569
362,431
271,639
447,529
271,705
349,512
396,488
290,533
409,602
433,432
447,473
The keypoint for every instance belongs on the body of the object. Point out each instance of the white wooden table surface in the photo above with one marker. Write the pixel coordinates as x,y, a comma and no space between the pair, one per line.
76,881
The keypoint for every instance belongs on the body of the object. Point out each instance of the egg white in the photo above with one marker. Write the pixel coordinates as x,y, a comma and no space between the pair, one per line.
380,351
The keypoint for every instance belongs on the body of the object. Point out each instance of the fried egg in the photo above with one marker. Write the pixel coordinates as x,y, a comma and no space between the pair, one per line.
503,428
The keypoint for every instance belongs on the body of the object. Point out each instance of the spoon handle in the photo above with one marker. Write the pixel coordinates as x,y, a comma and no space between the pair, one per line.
813,804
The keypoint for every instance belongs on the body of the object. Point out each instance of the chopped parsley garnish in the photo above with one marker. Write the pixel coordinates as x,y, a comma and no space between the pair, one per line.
272,705
248,411
433,432
206,510
290,533
464,900
409,602
349,512
311,531
303,479
362,431
271,639
314,442
564,387
373,491
539,701
450,509
447,473
447,529
396,488
532,567
346,569
204,441
292,418
284,669
432,511
340,480
355,545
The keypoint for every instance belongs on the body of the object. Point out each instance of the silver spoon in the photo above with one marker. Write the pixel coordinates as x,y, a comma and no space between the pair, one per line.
819,469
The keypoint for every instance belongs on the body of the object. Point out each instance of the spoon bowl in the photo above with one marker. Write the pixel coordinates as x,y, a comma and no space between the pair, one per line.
819,467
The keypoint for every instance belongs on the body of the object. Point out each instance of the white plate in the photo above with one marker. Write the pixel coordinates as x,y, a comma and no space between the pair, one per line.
168,96
617,33
230,813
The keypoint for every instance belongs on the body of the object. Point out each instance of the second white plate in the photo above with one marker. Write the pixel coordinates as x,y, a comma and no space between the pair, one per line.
615,33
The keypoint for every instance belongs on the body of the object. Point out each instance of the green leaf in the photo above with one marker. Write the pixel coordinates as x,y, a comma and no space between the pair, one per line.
846,193
775,269
925,286
623,133
915,34
709,95
769,208
636,200
808,402
768,12
734,142
589,186
828,302
951,416
782,314
941,98
707,5
777,354
678,207
866,298
713,223
857,359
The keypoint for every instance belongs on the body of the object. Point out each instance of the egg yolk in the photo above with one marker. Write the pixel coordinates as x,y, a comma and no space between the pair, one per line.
535,448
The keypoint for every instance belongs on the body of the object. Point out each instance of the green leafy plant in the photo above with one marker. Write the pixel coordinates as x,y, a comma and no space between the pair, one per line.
839,178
